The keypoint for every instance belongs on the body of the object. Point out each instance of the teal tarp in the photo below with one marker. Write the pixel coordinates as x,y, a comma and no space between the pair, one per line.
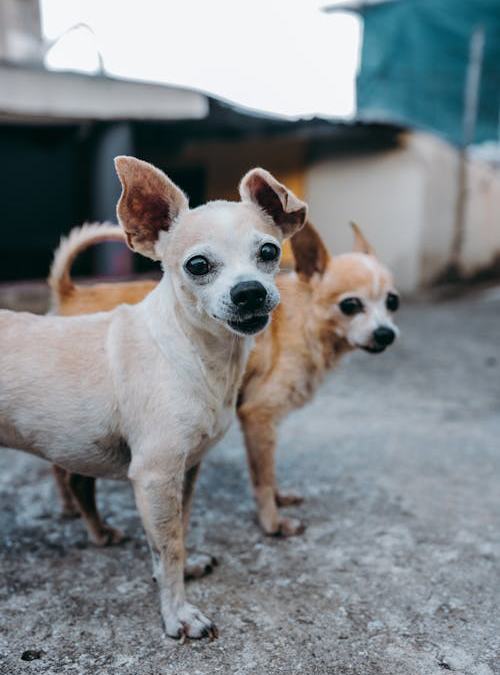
414,61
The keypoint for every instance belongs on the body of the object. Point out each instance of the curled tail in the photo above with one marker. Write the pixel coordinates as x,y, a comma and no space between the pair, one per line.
69,247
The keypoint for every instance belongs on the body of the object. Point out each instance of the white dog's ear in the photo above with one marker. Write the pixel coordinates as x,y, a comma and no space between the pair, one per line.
288,212
361,243
148,205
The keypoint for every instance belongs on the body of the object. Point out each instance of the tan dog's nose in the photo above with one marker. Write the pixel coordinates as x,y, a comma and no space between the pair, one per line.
248,295
384,336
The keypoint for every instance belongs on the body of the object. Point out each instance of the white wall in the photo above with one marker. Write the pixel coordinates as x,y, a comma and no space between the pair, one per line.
405,202
482,232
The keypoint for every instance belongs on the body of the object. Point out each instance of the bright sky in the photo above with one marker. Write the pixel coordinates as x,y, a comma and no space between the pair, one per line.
281,56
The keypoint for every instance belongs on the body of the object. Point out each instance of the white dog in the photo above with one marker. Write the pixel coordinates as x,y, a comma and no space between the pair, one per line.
144,391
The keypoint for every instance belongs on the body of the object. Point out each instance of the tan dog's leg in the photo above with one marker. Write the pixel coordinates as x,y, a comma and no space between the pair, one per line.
260,440
197,564
100,533
69,508
159,496
288,498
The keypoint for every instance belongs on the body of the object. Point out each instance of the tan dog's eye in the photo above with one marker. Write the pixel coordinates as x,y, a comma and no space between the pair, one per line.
351,306
198,266
269,252
392,302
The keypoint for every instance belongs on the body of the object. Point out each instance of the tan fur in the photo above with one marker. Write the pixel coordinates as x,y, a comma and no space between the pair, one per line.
66,298
144,391
308,335
83,301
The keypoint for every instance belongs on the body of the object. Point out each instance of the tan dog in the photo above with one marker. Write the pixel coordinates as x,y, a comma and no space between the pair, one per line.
144,391
330,306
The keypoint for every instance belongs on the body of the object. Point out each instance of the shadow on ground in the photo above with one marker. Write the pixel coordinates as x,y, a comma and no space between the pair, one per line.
397,573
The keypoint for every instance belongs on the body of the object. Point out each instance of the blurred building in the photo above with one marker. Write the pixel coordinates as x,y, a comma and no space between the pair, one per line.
415,62
60,131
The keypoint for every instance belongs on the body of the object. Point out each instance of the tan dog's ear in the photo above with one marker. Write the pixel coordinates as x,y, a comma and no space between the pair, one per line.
361,244
309,251
288,212
148,205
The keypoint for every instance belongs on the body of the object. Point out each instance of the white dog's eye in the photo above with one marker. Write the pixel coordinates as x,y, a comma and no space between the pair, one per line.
269,252
351,306
198,266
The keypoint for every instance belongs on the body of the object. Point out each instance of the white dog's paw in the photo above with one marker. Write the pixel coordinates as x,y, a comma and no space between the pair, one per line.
188,621
198,565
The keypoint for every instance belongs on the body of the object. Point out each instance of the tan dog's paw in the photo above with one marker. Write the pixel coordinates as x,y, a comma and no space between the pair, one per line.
198,565
288,498
188,621
107,536
289,527
284,527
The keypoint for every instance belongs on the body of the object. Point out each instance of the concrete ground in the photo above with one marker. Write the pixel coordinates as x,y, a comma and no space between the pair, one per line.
398,572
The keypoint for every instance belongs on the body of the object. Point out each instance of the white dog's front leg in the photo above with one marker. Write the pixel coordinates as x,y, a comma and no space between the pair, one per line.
158,493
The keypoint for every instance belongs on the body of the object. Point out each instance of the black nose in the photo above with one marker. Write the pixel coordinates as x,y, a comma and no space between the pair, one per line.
384,336
248,295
